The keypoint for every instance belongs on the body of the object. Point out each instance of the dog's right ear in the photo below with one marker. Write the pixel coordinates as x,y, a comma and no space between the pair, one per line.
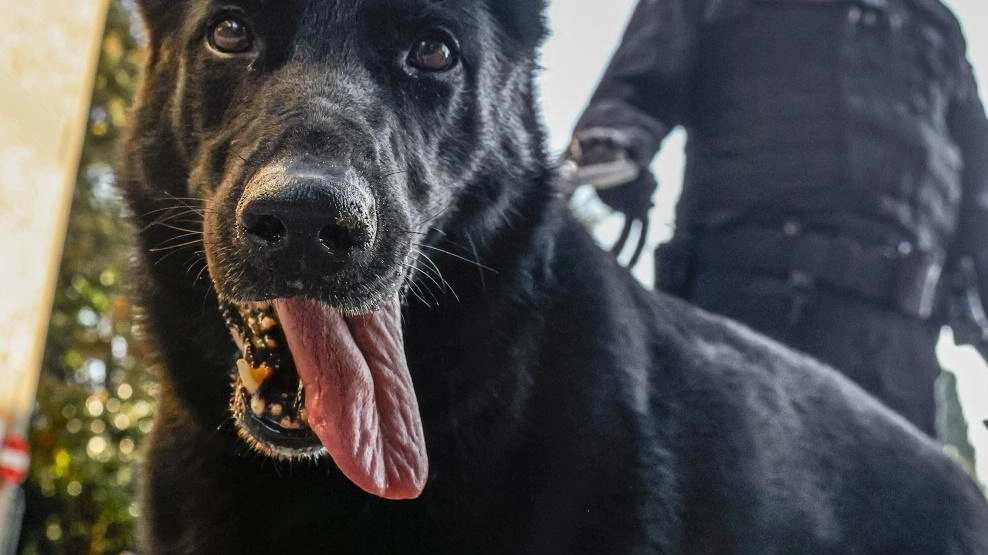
524,19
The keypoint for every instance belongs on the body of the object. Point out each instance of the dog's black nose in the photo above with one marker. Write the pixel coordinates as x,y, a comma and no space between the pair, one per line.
324,215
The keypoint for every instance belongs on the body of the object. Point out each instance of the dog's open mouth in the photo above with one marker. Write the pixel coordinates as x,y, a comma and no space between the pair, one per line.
311,380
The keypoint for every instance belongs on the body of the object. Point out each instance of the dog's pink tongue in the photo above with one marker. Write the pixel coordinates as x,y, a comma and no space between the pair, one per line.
358,394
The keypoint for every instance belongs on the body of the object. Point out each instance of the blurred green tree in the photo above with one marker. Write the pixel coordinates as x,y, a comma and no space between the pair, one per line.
95,402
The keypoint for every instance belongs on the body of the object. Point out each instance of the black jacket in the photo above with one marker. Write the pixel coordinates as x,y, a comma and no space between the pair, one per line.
860,117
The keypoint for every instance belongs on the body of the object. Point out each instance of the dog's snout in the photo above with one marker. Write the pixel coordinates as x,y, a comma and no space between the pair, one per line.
324,215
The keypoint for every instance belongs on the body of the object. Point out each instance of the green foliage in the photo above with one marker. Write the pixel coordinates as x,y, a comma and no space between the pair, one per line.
95,401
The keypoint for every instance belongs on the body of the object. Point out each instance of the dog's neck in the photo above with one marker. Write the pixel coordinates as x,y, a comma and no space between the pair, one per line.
495,278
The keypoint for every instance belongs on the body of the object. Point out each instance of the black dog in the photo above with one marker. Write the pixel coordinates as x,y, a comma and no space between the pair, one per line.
363,170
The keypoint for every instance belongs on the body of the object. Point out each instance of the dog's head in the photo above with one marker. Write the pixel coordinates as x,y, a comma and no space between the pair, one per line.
323,142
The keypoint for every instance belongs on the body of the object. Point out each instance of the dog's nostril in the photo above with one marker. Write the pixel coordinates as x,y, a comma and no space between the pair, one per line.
338,239
268,228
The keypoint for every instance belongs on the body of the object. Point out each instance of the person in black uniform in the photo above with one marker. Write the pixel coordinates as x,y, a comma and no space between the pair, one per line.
837,167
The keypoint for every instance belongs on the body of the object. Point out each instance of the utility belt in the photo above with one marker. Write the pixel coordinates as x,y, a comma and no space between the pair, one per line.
903,278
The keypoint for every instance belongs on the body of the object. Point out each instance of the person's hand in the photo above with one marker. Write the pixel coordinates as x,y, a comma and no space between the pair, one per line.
602,161
597,149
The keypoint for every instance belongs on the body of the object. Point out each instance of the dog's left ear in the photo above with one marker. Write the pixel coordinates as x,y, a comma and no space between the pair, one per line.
160,15
523,19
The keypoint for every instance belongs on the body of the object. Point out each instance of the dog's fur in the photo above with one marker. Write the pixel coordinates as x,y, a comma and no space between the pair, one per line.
566,409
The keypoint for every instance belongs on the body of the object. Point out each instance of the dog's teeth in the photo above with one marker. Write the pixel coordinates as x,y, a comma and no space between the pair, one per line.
261,374
289,424
276,409
257,406
252,376
247,376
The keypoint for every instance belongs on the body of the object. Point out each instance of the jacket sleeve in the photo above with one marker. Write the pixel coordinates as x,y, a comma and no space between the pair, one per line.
969,127
643,94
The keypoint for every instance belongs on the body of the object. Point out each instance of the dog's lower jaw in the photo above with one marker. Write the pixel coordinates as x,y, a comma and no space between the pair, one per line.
282,444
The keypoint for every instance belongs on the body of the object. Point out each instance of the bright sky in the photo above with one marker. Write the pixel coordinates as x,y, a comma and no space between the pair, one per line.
584,36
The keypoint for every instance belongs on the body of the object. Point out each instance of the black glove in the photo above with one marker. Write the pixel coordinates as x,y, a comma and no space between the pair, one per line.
633,198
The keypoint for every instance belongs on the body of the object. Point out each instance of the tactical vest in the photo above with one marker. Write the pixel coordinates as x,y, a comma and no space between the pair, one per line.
826,110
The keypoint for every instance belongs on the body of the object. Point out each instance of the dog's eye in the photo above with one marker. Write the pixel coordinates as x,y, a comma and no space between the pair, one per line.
433,54
230,36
